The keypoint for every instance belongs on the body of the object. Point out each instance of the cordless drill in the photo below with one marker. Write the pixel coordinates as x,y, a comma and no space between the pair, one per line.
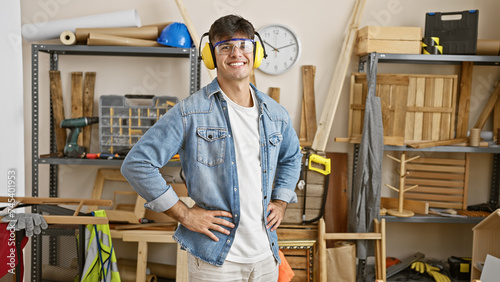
71,149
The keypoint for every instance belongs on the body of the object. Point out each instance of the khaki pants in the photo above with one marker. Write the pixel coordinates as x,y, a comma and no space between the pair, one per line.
266,270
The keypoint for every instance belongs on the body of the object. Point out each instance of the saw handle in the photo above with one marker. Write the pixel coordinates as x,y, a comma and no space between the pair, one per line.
314,158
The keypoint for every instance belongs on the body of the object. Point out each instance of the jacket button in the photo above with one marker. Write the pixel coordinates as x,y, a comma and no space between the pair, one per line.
264,171
230,241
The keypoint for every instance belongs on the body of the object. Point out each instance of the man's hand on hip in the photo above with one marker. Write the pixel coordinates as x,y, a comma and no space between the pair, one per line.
201,220
276,213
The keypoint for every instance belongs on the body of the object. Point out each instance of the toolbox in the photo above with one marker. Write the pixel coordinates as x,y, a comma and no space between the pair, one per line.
460,268
457,31
124,119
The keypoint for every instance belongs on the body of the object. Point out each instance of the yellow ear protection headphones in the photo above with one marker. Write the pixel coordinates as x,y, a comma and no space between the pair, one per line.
207,54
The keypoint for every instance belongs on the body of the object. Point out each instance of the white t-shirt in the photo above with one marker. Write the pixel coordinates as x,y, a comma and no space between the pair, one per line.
250,243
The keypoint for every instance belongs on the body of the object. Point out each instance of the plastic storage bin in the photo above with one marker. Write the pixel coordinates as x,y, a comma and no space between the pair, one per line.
124,119
457,31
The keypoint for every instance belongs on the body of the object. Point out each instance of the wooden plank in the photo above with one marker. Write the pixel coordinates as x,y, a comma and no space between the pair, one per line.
466,181
88,106
464,99
428,101
337,82
65,219
308,73
428,197
353,236
274,92
304,232
410,115
419,102
414,206
435,168
383,91
58,201
438,103
336,206
427,144
456,162
434,190
432,175
496,120
56,96
77,98
400,94
488,108
447,132
365,46
142,261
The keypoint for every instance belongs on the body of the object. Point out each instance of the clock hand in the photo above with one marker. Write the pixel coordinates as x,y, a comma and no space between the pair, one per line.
274,48
286,46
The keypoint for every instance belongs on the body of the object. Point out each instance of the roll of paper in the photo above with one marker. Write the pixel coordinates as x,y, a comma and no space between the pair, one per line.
67,38
53,29
111,40
148,33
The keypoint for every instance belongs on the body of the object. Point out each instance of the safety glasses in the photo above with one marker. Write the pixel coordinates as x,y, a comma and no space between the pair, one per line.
226,47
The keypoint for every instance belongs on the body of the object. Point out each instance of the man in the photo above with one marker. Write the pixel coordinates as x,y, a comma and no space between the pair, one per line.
241,158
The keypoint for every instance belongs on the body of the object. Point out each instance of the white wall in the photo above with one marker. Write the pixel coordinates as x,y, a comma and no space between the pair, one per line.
320,26
11,115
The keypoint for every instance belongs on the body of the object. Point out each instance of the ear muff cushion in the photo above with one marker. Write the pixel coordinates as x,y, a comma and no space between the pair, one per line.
258,55
207,56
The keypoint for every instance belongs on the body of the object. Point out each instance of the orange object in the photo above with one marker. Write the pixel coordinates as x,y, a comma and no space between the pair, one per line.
286,273
391,261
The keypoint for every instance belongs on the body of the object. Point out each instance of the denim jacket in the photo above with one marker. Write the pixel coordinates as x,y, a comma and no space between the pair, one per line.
198,129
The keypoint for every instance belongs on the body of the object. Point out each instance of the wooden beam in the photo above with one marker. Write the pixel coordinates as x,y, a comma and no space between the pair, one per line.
58,201
56,96
337,82
88,106
414,206
488,108
464,99
77,98
309,124
274,92
65,219
427,144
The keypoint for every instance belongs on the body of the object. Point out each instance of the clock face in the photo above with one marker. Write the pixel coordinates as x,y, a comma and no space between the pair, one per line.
282,47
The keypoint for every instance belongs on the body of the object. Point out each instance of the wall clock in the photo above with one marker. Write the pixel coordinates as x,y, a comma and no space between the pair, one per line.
282,46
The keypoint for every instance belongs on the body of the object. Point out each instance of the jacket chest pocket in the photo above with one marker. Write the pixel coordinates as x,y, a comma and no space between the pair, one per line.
211,145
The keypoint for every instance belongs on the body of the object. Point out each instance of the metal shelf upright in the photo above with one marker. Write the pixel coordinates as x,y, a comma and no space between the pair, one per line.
55,51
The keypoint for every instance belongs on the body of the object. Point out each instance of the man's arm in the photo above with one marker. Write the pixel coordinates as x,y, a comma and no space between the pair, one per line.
200,220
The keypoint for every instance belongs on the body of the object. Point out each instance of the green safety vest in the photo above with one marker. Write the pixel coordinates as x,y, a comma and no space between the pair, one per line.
100,262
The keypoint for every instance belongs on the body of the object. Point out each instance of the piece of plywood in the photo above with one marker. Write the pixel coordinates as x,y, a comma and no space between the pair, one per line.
415,107
443,183
274,92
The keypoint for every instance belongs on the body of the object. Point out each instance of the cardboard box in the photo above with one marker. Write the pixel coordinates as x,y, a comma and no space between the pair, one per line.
388,39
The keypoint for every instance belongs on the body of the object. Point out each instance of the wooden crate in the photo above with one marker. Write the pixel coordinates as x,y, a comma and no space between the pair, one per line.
300,256
388,39
415,107
443,183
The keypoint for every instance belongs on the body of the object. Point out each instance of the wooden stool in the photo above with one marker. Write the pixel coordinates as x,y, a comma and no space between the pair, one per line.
378,235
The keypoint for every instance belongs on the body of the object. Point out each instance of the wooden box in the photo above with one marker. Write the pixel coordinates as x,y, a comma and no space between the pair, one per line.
486,240
415,107
388,39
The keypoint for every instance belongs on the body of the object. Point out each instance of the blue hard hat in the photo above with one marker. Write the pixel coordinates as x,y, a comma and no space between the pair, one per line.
175,35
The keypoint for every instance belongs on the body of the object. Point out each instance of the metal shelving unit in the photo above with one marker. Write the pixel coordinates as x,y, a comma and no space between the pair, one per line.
55,51
371,61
